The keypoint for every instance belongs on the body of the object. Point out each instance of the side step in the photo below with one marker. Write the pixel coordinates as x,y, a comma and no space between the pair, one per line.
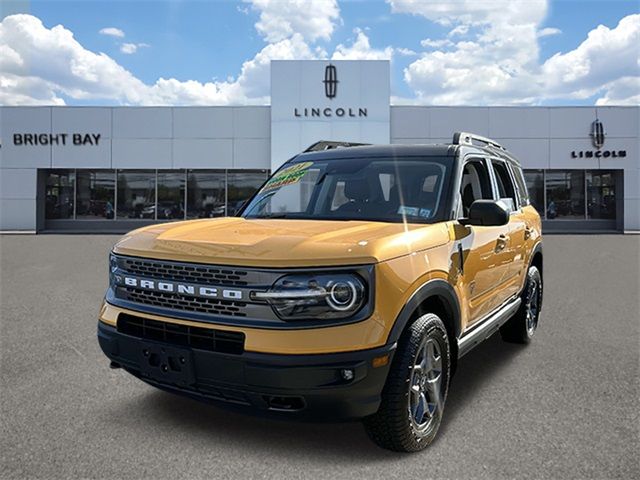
487,327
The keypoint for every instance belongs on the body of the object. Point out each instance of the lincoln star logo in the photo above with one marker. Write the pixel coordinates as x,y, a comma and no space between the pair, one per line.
597,134
330,81
597,138
179,288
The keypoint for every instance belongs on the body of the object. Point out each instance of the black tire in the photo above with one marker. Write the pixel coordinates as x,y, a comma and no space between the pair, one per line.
522,326
394,427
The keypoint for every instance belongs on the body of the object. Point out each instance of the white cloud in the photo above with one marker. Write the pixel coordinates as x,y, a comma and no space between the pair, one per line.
39,65
112,32
473,12
548,32
624,91
361,49
607,59
405,52
131,48
460,30
500,64
442,42
280,19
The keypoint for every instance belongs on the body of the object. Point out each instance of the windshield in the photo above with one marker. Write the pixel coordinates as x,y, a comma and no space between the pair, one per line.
411,189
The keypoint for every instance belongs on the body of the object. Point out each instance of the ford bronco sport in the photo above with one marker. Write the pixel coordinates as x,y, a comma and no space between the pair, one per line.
347,287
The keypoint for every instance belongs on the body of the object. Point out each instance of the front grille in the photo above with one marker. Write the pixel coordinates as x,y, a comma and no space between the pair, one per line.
182,335
183,302
184,272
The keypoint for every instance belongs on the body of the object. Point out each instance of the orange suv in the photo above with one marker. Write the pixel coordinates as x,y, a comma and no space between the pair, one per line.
347,287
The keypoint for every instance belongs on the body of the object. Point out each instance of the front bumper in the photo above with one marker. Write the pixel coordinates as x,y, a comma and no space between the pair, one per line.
310,387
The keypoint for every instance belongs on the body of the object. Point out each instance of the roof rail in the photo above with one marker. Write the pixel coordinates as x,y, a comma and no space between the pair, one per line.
465,138
330,145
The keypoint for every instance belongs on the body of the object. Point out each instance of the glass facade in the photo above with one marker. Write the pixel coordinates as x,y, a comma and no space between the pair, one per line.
165,195
136,194
60,194
601,195
206,194
240,188
147,194
171,190
95,194
535,186
573,194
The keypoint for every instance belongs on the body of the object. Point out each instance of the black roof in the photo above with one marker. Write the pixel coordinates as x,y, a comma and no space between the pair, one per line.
404,150
439,150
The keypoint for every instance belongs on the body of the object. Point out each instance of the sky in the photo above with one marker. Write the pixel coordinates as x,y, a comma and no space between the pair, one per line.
186,52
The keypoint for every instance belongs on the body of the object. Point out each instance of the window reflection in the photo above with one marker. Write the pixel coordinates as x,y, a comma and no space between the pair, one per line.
59,194
95,196
565,194
136,194
601,194
171,189
206,196
535,186
241,186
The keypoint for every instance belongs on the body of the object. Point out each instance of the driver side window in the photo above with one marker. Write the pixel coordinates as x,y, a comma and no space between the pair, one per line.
476,184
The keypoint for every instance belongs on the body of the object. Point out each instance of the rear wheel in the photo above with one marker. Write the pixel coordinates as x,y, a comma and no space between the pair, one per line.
522,326
414,395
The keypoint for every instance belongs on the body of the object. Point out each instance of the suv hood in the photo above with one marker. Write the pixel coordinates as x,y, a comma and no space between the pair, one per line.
281,243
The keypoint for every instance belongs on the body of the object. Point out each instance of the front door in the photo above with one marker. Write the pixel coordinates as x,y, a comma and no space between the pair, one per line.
486,251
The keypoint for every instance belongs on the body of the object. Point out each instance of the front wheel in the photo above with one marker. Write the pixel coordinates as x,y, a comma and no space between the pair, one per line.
414,396
521,327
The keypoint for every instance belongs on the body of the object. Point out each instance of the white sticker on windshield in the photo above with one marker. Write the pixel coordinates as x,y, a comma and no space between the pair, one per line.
404,210
425,212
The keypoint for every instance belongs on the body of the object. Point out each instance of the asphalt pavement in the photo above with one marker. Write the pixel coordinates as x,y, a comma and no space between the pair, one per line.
565,406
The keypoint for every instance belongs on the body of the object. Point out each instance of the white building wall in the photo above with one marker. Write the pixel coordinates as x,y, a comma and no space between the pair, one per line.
241,138
130,138
299,85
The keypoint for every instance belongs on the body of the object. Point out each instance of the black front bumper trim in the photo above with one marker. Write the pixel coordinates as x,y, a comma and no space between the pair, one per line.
309,387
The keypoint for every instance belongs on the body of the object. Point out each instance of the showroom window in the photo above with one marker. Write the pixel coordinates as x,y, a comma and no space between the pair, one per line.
601,194
95,194
241,187
535,186
136,194
60,194
171,191
206,194
565,194
163,195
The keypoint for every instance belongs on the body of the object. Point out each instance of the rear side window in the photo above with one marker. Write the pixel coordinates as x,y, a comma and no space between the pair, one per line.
506,189
521,185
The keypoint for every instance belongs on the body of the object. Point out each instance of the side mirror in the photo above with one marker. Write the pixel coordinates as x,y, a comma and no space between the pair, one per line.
487,213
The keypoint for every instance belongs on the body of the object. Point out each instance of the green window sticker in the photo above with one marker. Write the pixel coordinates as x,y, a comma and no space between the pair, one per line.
288,176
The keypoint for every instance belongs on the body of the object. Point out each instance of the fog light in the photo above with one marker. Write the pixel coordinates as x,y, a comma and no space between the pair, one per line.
347,374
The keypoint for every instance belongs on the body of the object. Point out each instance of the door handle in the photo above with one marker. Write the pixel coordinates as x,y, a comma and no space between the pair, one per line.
501,243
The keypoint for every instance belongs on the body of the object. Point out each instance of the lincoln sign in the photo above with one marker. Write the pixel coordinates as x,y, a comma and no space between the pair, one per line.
330,82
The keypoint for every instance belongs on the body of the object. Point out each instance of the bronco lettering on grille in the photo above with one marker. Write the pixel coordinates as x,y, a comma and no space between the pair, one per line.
179,288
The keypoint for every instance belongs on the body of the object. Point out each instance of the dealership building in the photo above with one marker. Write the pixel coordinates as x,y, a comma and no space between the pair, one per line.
97,169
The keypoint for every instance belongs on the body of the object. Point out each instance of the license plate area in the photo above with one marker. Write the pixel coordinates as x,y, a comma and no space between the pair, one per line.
167,364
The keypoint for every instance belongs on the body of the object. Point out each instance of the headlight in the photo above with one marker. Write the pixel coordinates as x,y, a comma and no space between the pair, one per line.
113,264
327,296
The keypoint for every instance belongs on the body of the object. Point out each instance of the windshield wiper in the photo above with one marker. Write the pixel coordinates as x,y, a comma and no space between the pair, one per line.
271,215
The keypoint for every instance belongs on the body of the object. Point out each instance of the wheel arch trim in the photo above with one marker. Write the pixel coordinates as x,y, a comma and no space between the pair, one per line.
433,288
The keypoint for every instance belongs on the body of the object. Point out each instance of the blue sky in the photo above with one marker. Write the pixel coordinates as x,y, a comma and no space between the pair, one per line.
203,45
